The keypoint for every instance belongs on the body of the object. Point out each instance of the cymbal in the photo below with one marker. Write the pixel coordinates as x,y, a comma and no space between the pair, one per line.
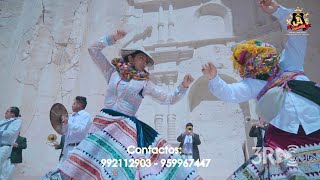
56,112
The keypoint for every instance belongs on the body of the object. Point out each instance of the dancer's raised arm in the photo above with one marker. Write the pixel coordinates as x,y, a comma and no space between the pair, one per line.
236,92
293,55
164,97
98,57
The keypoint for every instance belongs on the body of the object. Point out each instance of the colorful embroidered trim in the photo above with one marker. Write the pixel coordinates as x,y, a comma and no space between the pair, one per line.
127,71
280,79
254,59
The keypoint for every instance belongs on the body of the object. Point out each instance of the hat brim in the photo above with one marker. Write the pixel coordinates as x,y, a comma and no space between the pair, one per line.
126,52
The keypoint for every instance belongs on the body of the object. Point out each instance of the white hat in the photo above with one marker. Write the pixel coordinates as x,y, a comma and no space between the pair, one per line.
127,51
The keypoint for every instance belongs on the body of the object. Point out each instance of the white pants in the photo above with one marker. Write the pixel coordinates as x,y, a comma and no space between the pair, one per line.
6,167
7,170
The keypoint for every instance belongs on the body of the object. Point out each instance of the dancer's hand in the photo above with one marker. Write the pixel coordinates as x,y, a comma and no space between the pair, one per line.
187,80
209,70
268,6
258,124
64,119
119,34
56,146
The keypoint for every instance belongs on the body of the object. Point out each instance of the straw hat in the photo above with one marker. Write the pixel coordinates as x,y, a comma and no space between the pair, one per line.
127,51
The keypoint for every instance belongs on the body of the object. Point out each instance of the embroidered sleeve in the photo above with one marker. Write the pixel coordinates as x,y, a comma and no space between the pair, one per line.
99,59
162,96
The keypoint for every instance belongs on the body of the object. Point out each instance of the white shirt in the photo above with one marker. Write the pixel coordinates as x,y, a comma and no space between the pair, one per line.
78,127
187,145
10,134
108,70
297,109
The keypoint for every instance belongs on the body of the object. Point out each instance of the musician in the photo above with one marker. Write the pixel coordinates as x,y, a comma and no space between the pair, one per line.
189,142
60,146
18,146
75,126
258,130
9,130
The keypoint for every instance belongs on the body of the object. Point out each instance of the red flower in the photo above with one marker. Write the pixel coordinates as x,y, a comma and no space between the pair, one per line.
242,58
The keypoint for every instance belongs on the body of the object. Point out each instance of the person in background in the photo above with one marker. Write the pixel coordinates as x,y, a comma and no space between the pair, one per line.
258,130
9,129
76,126
60,145
189,143
18,146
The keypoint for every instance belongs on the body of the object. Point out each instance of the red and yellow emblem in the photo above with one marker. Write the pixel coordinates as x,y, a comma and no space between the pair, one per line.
298,20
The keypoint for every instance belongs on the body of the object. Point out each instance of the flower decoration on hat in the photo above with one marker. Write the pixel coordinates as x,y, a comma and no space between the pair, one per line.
255,59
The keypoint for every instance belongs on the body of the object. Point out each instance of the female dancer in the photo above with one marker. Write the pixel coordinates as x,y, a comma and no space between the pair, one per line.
116,133
297,123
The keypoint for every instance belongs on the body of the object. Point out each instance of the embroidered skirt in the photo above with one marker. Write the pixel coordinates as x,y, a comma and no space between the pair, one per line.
113,136
303,164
